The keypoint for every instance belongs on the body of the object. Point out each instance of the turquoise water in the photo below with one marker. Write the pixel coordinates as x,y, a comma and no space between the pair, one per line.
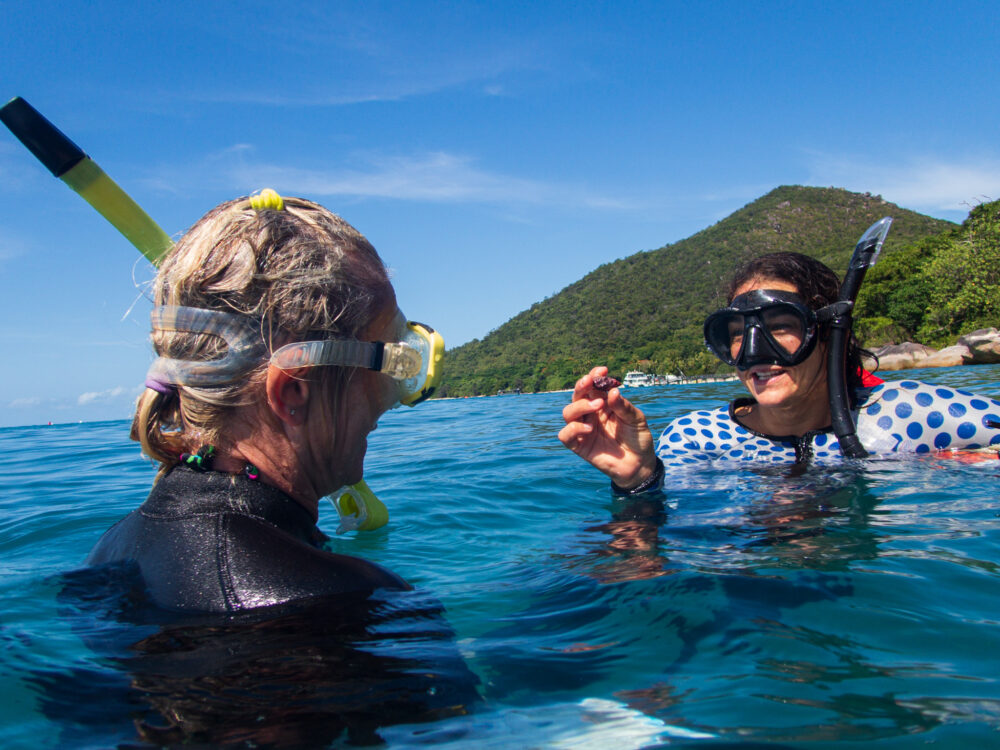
841,608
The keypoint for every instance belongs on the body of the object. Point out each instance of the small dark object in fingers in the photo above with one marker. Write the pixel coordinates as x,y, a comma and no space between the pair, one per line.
606,383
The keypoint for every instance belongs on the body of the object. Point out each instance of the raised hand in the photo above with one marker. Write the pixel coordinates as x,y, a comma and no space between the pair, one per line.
608,431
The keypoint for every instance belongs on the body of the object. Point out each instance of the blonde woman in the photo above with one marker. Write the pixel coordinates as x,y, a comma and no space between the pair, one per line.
279,346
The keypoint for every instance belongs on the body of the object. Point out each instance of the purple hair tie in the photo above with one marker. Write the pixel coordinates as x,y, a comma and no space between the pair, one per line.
160,387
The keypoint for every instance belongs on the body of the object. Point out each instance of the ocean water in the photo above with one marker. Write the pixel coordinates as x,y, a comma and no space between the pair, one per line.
841,608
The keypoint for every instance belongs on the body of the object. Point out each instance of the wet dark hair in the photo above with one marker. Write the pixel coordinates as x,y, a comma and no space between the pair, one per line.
817,285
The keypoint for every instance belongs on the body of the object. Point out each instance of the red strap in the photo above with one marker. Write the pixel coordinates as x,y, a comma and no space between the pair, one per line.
868,380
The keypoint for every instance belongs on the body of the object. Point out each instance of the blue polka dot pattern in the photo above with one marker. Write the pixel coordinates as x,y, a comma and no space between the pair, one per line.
902,416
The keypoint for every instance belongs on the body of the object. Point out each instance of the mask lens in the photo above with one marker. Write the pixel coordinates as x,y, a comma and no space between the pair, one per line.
430,346
724,335
785,327
734,331
761,327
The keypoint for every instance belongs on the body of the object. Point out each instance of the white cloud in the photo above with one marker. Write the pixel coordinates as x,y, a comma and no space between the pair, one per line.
436,177
20,403
378,56
928,184
95,396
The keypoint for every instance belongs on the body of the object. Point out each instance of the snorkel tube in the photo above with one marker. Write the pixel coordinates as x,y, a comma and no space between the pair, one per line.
864,257
65,160
357,505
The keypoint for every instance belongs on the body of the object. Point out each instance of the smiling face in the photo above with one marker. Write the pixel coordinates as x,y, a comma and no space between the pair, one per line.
799,393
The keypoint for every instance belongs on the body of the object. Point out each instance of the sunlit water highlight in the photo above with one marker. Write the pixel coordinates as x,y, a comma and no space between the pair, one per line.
841,607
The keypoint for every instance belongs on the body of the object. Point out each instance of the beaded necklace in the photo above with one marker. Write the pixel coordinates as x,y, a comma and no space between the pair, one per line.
203,459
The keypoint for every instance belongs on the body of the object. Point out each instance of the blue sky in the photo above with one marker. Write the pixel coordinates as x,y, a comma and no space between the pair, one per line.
493,152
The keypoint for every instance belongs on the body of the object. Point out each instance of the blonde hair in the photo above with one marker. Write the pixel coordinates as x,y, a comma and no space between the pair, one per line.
300,273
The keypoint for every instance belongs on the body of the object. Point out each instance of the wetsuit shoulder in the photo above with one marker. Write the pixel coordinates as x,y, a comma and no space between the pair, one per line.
210,543
263,565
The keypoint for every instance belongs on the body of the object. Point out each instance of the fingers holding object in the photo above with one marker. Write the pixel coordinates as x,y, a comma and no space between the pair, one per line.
574,434
585,385
606,383
582,407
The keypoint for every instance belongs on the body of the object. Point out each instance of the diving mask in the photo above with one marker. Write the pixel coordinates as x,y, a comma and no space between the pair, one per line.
762,327
412,359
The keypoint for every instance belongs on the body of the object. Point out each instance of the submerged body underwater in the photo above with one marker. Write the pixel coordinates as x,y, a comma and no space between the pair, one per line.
848,603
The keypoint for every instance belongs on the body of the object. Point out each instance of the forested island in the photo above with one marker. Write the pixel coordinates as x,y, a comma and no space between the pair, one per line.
934,281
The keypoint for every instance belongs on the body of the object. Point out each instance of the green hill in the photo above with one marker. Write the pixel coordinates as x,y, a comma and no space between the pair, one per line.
646,311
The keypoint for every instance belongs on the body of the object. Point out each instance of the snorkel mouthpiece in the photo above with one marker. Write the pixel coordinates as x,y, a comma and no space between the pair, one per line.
358,508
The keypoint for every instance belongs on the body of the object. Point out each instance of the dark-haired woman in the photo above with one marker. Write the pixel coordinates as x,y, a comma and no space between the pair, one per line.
773,331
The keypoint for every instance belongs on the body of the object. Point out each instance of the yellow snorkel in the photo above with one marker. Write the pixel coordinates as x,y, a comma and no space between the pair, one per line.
357,505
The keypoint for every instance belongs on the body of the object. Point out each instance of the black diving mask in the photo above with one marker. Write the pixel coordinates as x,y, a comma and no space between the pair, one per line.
762,327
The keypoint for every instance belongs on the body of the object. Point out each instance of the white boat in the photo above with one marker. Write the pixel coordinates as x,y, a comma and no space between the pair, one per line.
637,379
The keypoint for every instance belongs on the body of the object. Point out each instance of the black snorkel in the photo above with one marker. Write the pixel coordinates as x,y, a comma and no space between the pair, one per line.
840,321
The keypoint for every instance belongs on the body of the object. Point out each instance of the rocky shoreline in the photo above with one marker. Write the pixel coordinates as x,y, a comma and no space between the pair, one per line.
977,348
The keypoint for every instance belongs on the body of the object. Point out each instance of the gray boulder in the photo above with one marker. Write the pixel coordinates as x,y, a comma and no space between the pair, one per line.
950,356
983,345
902,356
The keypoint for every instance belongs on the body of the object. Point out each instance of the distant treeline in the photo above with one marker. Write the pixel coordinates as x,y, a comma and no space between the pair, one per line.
934,281
937,288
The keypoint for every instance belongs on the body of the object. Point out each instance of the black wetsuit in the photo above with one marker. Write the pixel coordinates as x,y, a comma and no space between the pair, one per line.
214,542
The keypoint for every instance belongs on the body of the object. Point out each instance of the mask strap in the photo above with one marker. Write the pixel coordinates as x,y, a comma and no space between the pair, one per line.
244,346
329,352
837,309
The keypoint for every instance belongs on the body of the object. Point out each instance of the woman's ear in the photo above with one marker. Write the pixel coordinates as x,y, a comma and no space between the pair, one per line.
287,394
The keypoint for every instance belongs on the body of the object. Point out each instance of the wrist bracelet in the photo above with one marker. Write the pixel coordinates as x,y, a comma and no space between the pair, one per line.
652,483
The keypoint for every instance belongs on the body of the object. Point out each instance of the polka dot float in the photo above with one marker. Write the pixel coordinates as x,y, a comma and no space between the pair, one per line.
897,416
